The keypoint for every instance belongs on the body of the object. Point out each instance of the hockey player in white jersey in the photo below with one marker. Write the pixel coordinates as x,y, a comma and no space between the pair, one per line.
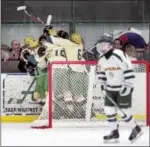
116,78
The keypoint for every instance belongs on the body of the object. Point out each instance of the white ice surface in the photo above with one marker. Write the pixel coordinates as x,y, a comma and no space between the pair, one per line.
23,135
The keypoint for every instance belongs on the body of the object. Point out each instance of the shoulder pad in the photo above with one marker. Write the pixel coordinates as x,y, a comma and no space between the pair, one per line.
119,54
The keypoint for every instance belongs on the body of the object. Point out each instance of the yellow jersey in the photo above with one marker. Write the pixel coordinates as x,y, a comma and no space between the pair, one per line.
73,51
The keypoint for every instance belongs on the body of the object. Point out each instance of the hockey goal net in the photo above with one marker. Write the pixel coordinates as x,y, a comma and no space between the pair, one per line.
75,98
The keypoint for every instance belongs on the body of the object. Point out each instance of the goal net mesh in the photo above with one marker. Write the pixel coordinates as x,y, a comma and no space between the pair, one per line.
74,95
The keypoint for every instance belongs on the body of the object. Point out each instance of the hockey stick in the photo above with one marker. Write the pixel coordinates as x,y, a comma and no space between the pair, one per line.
30,14
28,11
115,104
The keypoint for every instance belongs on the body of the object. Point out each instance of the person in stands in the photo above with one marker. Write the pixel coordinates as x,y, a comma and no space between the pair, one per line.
118,44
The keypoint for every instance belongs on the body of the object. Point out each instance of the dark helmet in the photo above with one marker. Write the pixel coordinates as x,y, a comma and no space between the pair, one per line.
41,38
106,38
63,34
46,29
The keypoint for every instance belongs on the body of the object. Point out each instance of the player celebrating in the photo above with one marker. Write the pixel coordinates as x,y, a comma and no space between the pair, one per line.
73,51
116,79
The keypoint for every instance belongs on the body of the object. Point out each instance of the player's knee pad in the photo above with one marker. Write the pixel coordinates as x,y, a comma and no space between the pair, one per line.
110,113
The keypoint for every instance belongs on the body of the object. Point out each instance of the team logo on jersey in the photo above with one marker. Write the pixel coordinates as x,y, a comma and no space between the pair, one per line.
112,68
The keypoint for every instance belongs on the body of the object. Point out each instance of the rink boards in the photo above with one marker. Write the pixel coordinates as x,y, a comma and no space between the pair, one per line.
17,91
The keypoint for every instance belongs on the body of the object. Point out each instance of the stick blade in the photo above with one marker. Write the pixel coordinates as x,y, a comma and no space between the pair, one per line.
49,19
21,8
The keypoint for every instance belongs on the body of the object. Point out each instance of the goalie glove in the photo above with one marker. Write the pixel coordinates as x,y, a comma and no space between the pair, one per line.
31,65
31,68
126,89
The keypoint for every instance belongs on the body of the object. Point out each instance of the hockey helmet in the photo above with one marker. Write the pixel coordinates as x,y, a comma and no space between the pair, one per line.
106,38
33,44
75,37
52,32
63,34
27,40
104,44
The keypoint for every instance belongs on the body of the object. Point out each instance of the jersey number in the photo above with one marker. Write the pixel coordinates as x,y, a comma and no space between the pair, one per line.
79,54
60,53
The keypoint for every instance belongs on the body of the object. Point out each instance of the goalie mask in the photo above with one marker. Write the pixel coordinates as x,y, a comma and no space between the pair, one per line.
104,44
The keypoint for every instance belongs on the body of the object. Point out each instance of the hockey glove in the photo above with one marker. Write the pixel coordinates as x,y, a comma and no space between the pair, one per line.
31,65
30,68
41,51
126,89
24,54
89,56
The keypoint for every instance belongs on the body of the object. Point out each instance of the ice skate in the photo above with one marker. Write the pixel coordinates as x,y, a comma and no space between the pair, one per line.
42,103
135,134
113,137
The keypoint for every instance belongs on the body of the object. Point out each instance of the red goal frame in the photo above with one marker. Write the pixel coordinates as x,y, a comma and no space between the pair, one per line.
50,85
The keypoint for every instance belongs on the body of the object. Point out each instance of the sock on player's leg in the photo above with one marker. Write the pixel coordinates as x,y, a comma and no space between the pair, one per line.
112,121
128,118
111,117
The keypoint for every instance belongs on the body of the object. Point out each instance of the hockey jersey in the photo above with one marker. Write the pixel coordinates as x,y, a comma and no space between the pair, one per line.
114,70
73,52
55,52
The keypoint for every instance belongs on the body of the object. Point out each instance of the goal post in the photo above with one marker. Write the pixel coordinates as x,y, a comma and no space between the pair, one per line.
74,96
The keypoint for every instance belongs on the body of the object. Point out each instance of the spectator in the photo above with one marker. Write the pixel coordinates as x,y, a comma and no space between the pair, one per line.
5,52
118,44
147,53
131,51
14,54
15,50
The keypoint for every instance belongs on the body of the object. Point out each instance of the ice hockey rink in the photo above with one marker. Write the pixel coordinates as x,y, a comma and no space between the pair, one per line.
20,134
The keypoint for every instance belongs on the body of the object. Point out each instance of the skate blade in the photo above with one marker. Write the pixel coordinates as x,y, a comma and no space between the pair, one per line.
137,137
33,102
112,141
